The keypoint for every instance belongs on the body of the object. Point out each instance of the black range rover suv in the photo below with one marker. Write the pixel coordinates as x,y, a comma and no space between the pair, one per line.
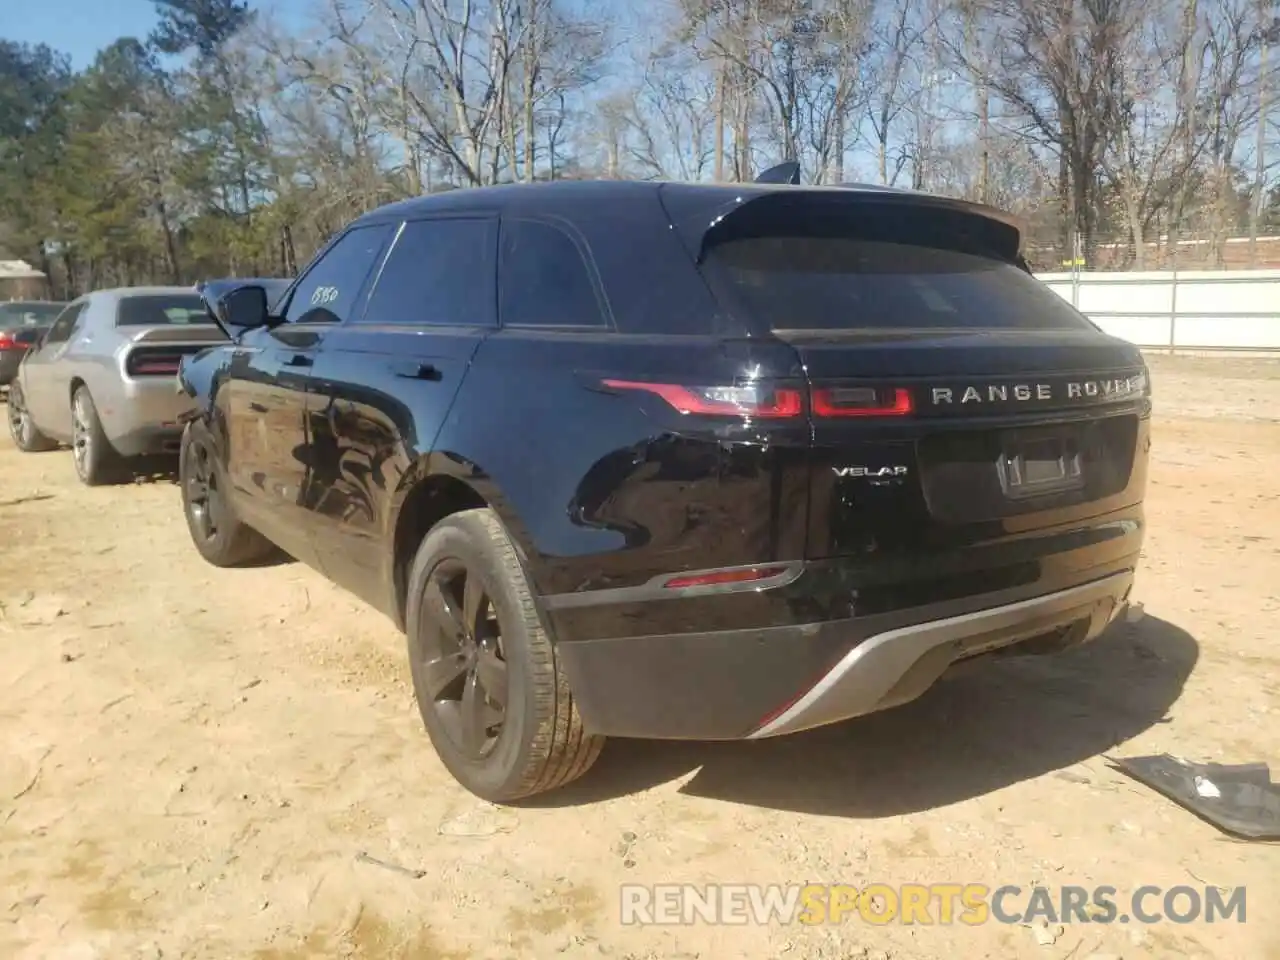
673,460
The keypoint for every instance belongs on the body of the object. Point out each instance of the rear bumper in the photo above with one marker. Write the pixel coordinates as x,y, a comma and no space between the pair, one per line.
149,441
897,666
147,417
735,684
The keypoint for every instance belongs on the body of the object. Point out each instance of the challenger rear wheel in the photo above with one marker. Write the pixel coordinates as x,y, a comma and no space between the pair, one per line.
492,697
22,428
221,538
96,461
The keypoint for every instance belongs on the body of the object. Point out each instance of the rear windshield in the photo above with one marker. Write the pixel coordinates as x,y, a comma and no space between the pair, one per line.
818,278
28,314
156,310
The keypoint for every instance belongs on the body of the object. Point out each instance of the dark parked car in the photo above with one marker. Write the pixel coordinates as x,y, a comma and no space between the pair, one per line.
22,324
672,460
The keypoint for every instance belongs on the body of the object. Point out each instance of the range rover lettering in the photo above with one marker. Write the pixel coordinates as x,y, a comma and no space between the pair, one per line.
670,460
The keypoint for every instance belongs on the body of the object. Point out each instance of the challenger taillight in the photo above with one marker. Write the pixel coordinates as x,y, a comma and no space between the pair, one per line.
153,364
753,400
7,342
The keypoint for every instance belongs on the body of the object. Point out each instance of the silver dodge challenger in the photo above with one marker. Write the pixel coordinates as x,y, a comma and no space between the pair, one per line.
103,378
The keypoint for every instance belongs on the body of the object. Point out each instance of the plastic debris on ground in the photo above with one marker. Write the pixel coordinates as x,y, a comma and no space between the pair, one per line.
1238,799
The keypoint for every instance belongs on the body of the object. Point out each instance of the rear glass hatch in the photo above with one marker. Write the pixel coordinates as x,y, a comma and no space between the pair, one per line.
953,397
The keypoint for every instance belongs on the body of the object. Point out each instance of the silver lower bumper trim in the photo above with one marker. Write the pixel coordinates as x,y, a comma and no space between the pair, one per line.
897,666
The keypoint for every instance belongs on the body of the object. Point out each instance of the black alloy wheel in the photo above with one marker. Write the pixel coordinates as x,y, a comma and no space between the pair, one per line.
463,664
203,496
216,531
488,683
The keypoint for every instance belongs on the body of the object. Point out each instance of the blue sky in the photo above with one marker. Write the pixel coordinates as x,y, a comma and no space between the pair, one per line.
80,28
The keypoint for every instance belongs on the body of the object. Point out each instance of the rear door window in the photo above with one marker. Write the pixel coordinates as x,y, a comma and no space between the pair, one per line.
880,272
544,279
438,272
66,323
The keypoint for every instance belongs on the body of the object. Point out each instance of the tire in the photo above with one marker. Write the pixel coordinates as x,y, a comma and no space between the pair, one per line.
216,532
470,613
96,461
22,428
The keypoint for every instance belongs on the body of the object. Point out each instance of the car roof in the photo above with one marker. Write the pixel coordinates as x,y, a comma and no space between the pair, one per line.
683,200
123,293
552,194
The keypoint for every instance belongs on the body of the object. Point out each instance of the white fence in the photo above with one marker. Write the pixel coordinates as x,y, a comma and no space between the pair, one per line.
1187,310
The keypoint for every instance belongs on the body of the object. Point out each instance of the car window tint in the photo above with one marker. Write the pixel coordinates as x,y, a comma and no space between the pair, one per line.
438,271
544,279
331,288
66,322
154,310
29,314
881,269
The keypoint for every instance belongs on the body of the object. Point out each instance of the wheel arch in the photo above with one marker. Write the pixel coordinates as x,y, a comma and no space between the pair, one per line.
100,387
202,377
105,394
440,485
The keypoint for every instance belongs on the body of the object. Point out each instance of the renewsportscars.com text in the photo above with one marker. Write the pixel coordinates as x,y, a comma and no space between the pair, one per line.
936,903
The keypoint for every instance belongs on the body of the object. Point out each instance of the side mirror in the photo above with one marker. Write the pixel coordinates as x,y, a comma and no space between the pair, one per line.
242,309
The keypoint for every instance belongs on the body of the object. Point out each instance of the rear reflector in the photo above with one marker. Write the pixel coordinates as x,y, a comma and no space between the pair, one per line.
719,577
786,705
744,401
862,402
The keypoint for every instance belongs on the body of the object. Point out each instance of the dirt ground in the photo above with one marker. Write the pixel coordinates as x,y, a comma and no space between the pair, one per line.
194,760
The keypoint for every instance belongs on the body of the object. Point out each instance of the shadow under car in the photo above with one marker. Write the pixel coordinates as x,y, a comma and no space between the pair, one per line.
991,723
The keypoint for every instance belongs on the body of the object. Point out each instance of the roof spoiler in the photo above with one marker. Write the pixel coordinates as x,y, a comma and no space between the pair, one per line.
788,172
702,228
180,333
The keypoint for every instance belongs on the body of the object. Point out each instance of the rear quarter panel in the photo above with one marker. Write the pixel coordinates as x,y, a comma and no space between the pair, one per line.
608,489
93,358
86,358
